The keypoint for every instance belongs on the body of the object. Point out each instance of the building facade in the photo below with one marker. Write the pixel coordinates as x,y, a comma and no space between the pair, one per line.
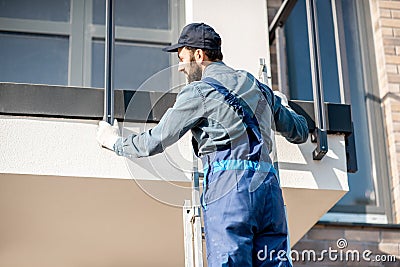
64,197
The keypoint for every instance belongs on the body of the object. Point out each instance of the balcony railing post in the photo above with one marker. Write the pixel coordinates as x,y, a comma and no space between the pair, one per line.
109,63
319,135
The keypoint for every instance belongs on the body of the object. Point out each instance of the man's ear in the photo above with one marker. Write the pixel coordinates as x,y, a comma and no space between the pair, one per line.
199,56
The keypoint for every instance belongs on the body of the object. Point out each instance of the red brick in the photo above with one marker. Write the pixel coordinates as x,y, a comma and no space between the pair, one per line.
396,117
394,23
387,31
391,41
362,235
389,4
395,106
392,59
326,233
390,50
395,13
385,13
390,236
391,68
393,78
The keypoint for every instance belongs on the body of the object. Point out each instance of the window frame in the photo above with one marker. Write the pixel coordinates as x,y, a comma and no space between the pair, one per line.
81,32
374,114
375,117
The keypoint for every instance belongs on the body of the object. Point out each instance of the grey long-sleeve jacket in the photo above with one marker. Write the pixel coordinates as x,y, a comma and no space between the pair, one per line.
201,109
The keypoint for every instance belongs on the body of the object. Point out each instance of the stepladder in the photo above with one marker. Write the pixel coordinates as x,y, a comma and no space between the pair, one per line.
192,224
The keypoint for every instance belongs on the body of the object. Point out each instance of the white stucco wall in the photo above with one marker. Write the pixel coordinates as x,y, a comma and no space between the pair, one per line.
242,25
66,147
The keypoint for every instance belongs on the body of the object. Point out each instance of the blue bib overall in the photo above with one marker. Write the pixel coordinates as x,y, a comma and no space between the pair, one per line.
244,217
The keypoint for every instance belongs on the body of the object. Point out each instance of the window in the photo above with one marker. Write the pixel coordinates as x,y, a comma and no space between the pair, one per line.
35,59
151,14
50,10
61,42
368,184
133,64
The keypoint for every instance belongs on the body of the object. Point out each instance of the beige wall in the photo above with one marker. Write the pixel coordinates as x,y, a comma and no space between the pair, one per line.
58,221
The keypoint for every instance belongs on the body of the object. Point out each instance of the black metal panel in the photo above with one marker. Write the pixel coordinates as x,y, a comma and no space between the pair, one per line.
338,120
29,99
142,106
351,156
75,102
338,116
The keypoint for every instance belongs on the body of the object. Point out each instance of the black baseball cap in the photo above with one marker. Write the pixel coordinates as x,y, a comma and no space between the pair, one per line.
197,35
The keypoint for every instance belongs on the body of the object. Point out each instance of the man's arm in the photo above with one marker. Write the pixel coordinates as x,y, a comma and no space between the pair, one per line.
290,124
187,111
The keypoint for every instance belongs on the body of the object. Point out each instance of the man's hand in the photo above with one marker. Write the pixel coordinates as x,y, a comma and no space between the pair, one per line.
107,135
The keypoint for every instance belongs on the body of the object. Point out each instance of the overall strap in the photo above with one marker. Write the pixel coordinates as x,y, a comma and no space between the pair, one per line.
238,105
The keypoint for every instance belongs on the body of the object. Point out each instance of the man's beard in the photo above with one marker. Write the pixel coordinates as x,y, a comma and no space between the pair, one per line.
195,72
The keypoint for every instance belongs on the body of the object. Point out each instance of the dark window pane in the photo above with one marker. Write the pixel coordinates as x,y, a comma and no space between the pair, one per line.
298,55
133,64
135,13
53,10
362,191
34,59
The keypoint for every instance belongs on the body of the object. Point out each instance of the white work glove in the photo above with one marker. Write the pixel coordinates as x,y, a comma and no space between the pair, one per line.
283,98
107,135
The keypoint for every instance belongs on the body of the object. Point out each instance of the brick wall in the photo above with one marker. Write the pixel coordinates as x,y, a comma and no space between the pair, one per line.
383,242
385,16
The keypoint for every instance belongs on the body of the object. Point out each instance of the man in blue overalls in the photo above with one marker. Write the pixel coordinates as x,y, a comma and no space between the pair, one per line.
231,116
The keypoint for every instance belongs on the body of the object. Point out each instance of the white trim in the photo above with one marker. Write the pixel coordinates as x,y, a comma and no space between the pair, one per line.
355,218
35,26
135,34
76,44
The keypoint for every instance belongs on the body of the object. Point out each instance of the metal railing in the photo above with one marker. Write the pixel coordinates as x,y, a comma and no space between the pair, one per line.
109,63
319,135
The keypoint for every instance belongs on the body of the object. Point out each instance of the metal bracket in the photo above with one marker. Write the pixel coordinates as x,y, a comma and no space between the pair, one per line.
320,137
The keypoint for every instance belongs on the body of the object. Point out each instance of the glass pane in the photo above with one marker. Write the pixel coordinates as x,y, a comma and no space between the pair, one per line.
152,14
53,10
133,64
34,59
362,191
298,55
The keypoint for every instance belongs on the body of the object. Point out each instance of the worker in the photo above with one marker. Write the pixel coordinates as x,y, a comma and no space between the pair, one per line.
231,115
